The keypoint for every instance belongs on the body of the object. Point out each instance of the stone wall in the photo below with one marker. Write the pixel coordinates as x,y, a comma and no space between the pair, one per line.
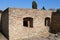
5,24
16,29
0,20
55,22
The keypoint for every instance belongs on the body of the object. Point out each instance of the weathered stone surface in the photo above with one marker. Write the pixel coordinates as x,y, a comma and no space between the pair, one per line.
55,22
13,29
18,31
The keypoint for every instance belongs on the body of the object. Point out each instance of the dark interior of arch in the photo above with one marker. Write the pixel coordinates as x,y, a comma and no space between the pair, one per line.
25,21
47,21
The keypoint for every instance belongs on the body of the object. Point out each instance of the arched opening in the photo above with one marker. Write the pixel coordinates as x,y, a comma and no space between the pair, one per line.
28,21
47,21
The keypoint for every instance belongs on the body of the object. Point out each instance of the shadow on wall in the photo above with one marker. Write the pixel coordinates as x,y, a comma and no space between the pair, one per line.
47,21
55,22
5,23
0,20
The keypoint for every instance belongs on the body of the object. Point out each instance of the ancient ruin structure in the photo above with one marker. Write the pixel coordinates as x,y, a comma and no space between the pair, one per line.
18,24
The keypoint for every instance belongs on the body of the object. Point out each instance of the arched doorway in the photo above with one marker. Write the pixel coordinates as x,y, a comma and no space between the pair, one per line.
47,21
28,21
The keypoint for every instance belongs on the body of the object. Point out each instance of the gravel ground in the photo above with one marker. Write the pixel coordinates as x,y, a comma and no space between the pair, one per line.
51,37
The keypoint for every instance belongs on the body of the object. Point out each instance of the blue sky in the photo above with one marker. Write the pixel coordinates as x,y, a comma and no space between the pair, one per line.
28,4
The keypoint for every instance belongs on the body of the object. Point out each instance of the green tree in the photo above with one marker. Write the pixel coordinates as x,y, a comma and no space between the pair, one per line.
43,8
34,5
58,10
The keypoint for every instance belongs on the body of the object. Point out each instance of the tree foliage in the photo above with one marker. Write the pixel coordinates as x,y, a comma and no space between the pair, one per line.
58,10
34,5
43,8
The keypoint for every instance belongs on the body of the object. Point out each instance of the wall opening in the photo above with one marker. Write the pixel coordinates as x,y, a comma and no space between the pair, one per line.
28,22
47,21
